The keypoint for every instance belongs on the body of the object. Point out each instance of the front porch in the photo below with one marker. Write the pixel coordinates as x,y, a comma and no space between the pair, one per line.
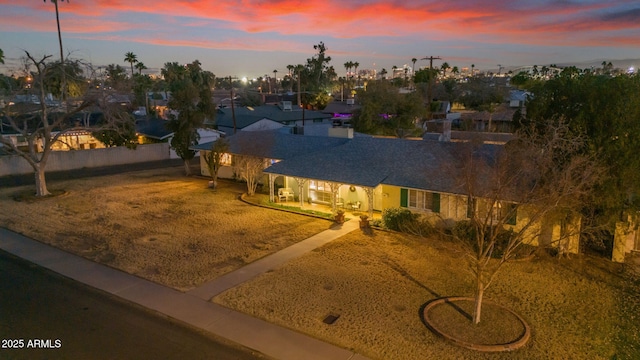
324,196
326,209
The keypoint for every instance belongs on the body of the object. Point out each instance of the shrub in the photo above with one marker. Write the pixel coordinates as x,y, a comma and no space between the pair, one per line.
464,231
398,219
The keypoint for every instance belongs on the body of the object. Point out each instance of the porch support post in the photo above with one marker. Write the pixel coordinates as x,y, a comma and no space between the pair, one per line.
369,192
271,181
301,182
334,195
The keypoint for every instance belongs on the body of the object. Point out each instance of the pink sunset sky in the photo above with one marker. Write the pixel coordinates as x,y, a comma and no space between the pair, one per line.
254,37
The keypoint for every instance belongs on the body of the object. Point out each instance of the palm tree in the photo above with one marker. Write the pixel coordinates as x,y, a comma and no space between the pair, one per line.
290,68
383,73
413,66
444,67
472,66
131,58
455,71
355,66
275,81
140,66
347,66
1,57
64,80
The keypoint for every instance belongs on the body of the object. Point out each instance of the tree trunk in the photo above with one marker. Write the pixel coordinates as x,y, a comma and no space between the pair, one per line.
41,183
251,186
64,75
187,168
478,304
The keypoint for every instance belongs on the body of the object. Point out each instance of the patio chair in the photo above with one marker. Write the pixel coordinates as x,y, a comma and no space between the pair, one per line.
356,205
285,194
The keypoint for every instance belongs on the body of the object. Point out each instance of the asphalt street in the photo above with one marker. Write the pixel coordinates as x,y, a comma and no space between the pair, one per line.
46,316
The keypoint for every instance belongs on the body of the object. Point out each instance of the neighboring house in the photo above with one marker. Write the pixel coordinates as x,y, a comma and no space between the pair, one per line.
440,130
68,140
517,98
369,174
154,130
341,111
267,117
500,120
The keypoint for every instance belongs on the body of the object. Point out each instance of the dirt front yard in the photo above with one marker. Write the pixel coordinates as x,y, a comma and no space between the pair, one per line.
378,284
173,230
156,224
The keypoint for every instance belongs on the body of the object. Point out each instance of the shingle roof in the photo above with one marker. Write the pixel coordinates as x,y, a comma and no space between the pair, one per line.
369,162
246,116
153,128
364,161
276,144
339,107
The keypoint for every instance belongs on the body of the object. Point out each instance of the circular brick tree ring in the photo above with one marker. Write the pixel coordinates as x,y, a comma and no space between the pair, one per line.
512,345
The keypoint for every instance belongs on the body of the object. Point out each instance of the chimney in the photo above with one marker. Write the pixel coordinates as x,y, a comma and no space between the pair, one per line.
445,135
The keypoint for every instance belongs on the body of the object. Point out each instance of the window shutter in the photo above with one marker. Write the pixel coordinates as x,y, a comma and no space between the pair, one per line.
435,206
404,196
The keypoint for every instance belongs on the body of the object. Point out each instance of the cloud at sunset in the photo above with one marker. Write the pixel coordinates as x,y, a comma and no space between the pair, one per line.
265,25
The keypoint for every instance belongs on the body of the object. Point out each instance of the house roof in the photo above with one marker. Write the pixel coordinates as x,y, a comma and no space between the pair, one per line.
153,128
369,161
276,144
487,137
33,121
502,113
340,107
362,160
246,116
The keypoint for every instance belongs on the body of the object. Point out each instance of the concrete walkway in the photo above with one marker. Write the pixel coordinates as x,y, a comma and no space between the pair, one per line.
194,307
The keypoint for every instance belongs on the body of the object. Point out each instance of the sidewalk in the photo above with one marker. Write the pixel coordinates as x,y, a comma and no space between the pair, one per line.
194,306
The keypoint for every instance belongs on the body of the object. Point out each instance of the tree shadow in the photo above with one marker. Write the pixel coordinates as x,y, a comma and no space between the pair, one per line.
397,268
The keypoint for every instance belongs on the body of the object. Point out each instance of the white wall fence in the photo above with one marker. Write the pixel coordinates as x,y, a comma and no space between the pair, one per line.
78,159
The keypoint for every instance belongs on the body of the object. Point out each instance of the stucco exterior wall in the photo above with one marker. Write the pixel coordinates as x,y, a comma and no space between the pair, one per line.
78,159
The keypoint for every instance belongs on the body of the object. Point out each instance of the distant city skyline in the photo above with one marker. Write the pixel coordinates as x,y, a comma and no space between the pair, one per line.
252,38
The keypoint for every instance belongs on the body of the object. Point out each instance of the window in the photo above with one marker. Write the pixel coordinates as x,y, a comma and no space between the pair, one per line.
422,200
501,211
320,191
226,159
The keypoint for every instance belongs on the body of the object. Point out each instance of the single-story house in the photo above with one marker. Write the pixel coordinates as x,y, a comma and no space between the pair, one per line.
371,174
342,111
154,130
267,117
76,139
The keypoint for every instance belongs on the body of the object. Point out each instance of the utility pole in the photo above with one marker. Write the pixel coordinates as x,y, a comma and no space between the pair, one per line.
429,88
233,109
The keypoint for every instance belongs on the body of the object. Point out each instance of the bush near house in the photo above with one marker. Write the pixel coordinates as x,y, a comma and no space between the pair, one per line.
398,219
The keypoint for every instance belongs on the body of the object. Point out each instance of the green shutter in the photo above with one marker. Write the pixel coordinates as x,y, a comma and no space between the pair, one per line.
404,197
435,202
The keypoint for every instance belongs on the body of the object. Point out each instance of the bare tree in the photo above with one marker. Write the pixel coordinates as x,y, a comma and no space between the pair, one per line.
514,192
250,169
42,128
